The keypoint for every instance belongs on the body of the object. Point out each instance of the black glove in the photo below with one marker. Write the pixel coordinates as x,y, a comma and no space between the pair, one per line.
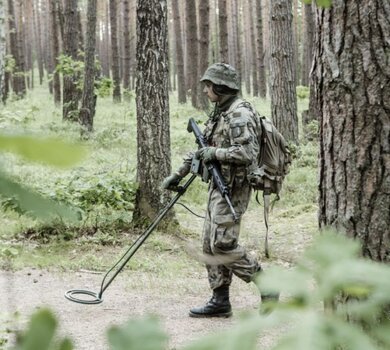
171,182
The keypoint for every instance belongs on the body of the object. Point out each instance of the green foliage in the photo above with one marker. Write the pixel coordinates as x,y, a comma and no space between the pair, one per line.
144,334
41,334
330,270
45,150
103,86
68,66
112,190
29,202
321,3
302,92
10,63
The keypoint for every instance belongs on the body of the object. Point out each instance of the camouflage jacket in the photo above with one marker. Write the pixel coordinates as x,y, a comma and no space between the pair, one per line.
232,131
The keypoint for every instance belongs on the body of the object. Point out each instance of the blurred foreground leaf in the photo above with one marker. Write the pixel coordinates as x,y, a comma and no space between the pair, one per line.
143,334
40,334
51,151
33,203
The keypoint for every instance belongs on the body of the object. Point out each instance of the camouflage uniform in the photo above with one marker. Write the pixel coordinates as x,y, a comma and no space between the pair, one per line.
232,144
231,130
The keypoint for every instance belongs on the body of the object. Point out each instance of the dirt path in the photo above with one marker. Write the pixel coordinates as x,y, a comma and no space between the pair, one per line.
27,290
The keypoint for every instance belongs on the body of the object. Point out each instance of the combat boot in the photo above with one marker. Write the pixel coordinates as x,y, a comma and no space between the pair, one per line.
217,306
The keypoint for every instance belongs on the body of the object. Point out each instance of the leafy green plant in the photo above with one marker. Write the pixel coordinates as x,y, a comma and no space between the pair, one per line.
302,92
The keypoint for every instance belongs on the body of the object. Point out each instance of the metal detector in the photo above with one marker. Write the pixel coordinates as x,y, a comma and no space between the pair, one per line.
89,297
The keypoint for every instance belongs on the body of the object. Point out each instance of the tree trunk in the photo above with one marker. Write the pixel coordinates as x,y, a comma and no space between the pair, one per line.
182,96
38,43
282,70
88,100
223,31
55,52
127,50
153,139
21,46
308,37
18,83
237,24
352,93
115,52
192,50
2,48
204,15
71,94
254,67
260,52
247,48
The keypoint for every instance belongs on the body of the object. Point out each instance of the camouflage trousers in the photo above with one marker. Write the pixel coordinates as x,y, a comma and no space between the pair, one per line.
220,239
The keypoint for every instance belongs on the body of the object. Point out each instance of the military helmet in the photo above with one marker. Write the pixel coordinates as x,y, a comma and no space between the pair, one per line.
222,74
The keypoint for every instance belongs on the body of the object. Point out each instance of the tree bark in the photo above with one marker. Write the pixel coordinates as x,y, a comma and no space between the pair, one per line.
182,96
55,52
308,37
18,82
352,93
2,48
70,96
115,52
204,15
254,68
153,138
262,79
223,31
38,43
192,50
88,100
282,70
127,50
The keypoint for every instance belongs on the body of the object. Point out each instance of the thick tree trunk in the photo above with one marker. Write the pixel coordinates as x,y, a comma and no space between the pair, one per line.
88,100
55,52
153,138
260,52
223,31
70,95
204,15
181,83
247,48
115,52
308,37
282,70
192,50
352,93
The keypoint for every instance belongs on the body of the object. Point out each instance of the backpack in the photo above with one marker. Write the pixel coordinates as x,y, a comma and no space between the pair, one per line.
272,165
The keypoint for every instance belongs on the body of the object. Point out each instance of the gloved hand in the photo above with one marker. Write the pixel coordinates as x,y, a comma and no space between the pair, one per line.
206,153
171,181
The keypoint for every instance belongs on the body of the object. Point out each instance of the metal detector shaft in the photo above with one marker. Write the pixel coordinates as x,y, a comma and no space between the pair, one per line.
141,239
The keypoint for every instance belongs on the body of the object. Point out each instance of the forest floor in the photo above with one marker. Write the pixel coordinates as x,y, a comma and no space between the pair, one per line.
165,284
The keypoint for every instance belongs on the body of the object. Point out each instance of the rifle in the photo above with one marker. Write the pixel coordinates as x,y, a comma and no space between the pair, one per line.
212,167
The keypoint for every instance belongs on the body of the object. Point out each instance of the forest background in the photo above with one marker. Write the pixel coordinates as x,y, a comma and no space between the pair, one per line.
75,70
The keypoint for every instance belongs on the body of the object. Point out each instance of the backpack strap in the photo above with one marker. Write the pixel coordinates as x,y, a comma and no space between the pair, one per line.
266,197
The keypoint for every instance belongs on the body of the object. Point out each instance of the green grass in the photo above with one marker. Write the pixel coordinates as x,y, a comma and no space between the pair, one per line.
112,156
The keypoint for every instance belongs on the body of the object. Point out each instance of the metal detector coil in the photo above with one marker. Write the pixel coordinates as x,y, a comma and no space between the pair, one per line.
96,298
71,295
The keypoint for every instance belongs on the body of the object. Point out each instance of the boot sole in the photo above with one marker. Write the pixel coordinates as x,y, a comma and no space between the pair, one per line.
220,315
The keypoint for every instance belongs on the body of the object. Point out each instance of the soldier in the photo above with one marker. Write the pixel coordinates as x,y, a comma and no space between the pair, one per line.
230,132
